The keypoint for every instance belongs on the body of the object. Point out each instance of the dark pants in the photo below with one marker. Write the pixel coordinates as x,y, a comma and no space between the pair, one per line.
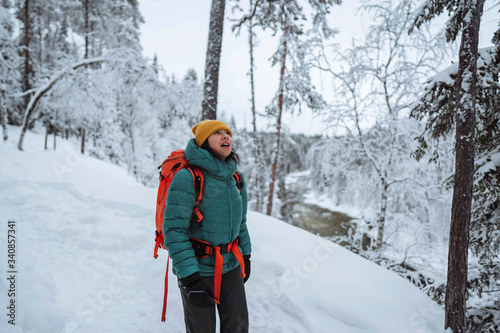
233,312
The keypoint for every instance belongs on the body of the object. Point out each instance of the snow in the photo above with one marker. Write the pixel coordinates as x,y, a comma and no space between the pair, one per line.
84,243
444,76
490,162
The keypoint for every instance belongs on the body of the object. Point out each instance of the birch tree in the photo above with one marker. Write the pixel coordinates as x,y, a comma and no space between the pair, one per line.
257,174
375,81
288,19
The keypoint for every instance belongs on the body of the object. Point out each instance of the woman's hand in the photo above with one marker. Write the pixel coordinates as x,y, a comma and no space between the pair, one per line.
197,291
246,258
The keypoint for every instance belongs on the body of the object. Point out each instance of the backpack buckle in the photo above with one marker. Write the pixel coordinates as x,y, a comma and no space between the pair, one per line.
224,248
201,250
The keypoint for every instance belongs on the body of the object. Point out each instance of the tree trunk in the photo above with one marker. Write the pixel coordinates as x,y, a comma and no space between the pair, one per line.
382,216
278,134
3,121
252,84
86,56
210,86
46,136
83,141
86,18
456,287
256,145
55,136
26,74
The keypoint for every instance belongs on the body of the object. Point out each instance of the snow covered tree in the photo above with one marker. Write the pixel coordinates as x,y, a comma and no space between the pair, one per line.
9,74
23,15
288,17
102,25
105,26
257,168
43,39
375,82
120,23
41,91
457,93
260,173
251,44
212,61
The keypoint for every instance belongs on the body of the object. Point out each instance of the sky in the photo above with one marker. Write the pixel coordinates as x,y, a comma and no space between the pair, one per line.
177,32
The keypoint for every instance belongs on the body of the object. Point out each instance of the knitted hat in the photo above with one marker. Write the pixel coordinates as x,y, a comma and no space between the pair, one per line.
204,129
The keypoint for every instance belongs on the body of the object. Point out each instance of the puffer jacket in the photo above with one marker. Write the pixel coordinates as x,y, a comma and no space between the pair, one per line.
224,211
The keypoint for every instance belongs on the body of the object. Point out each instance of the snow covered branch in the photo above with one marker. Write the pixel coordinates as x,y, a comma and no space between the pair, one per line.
40,92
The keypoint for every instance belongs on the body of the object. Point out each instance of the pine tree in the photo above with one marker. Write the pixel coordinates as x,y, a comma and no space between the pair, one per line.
438,106
465,18
212,61
9,74
23,14
456,286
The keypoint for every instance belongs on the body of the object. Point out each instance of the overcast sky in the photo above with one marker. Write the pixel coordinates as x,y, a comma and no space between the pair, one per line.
177,32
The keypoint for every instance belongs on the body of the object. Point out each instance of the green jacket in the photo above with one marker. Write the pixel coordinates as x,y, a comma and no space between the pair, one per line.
224,211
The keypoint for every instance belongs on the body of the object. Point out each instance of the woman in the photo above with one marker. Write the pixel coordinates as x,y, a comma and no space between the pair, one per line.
211,260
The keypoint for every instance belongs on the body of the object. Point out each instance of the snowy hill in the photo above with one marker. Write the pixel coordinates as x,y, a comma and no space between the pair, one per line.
84,242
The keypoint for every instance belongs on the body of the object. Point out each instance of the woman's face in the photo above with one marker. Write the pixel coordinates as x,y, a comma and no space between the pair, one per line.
221,143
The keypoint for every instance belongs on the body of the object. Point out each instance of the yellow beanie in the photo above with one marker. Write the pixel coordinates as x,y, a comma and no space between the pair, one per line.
204,129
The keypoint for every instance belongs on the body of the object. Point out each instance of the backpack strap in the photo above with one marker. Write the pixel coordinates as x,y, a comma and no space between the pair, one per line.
159,241
198,180
165,292
239,182
204,249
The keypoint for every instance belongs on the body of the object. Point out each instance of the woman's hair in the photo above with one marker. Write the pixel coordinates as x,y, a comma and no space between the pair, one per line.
233,154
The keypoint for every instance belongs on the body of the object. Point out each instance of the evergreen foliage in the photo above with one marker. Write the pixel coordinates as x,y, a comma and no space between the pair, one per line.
437,107
9,74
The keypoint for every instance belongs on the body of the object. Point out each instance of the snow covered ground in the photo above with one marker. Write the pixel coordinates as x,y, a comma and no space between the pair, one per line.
84,241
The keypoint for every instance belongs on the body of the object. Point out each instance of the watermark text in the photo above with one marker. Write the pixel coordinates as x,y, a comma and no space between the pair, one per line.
11,272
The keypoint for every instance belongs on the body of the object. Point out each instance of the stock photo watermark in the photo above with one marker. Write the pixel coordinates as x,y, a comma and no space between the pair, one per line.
294,276
11,272
91,307
292,279
72,160
423,316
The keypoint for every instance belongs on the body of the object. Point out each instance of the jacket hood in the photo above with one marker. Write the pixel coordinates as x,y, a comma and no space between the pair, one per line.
203,159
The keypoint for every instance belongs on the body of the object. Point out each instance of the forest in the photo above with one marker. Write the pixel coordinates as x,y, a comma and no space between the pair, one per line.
404,112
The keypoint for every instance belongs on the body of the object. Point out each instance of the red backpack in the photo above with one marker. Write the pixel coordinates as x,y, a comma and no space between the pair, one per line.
175,161
171,165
